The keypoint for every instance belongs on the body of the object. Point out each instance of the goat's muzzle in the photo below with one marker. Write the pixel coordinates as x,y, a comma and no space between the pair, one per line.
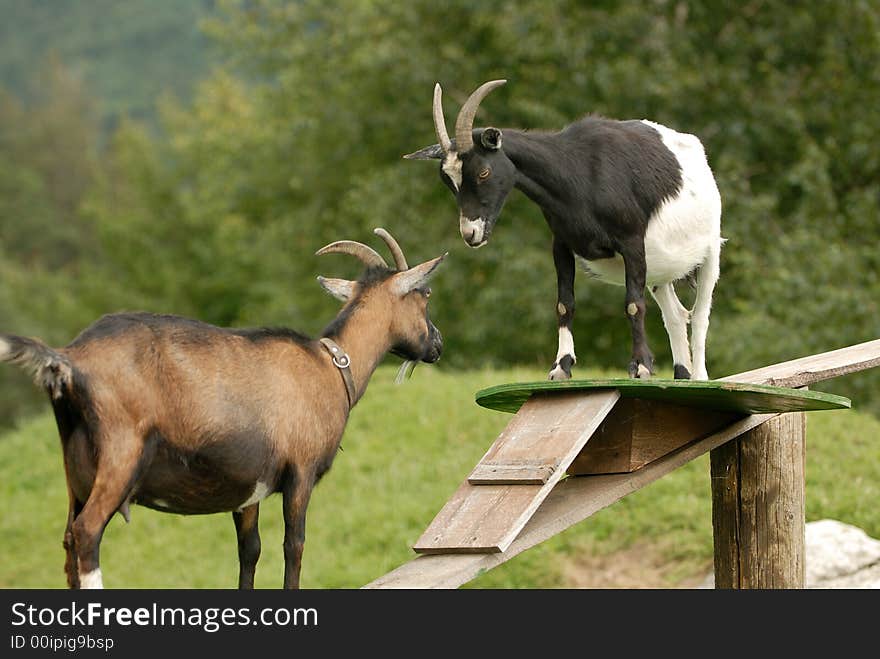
473,232
434,347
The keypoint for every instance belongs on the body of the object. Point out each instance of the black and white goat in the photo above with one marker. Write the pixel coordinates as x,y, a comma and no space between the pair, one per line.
633,202
184,417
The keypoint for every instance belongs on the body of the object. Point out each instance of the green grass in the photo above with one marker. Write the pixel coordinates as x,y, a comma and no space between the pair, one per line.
406,449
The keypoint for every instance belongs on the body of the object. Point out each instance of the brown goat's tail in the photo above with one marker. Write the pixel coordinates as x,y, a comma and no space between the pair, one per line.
50,370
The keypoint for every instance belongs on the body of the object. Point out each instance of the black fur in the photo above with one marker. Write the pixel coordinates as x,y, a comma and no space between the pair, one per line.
201,481
259,334
565,364
185,330
598,182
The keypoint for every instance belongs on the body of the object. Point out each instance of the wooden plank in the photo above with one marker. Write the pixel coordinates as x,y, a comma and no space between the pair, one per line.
511,473
640,431
539,438
487,518
571,501
758,506
814,368
719,395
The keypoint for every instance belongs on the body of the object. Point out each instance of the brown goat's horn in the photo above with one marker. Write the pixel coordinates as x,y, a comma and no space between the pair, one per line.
366,254
396,251
439,121
464,124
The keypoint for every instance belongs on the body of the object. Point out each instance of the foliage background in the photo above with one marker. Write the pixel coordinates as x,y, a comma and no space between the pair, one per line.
191,157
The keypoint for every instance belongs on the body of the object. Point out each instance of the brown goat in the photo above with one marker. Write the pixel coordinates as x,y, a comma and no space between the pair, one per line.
185,417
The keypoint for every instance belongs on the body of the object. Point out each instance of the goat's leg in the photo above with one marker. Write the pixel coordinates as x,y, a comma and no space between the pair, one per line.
706,279
119,462
642,363
247,529
563,259
70,568
675,319
296,492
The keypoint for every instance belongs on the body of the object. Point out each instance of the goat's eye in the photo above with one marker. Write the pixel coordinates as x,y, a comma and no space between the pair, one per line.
483,175
427,292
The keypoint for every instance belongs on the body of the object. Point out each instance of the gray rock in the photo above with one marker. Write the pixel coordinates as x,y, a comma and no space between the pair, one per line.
838,556
841,556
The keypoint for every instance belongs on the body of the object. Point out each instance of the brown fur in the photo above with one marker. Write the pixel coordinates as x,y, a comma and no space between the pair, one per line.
188,418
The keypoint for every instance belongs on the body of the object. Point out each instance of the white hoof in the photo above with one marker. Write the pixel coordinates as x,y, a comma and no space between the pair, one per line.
643,373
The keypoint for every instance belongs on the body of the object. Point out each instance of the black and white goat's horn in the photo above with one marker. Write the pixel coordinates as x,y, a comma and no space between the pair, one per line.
396,251
439,121
464,124
366,254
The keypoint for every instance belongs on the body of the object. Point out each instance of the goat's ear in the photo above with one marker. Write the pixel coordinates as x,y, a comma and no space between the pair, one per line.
433,152
341,289
416,277
491,138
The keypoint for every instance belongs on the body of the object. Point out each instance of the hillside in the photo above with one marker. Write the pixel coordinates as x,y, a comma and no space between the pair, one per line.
128,53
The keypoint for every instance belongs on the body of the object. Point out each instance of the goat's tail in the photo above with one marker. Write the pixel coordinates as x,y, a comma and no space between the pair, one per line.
50,369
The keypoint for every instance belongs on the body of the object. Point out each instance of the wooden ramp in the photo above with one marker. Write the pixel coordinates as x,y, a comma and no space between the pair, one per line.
626,432
551,428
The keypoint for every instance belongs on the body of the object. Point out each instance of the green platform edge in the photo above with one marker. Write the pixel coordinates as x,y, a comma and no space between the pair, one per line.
707,394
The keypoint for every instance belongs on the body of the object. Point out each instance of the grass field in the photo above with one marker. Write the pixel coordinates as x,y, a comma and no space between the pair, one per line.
405,451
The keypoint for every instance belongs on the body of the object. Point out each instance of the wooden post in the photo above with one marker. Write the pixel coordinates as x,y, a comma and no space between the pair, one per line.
758,506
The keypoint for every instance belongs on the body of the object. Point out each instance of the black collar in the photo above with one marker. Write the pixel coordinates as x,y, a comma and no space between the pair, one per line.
342,361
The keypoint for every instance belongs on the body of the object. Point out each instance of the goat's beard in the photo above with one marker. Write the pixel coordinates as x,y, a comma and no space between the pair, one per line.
405,371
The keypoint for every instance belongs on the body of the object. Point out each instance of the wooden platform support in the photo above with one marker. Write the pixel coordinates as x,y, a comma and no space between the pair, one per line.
758,506
757,482
571,501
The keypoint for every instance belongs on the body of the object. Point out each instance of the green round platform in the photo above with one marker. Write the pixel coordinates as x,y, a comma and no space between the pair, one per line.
707,394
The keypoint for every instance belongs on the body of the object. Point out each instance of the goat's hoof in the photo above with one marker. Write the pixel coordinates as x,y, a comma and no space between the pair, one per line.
681,372
558,373
561,369
639,370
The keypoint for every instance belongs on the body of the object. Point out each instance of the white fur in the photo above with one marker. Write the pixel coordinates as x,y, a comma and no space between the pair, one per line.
91,580
675,319
261,490
341,289
683,234
452,166
4,349
566,344
700,316
160,503
477,227
566,347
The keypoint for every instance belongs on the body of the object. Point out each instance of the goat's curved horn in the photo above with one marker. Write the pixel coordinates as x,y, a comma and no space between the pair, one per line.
464,124
439,121
366,254
396,251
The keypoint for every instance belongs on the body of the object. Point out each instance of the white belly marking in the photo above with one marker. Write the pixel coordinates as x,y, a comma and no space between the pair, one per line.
261,490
